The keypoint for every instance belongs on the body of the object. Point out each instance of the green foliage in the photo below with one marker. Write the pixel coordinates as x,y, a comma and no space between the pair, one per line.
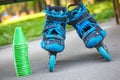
2,8
32,28
103,10
23,18
100,7
104,16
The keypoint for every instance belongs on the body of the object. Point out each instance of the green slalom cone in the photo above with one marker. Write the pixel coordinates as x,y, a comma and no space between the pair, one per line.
19,38
21,58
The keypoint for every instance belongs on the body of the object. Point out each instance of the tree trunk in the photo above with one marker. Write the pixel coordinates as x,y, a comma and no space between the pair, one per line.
76,1
39,5
16,9
0,18
24,7
45,4
57,2
9,9
50,2
34,6
116,11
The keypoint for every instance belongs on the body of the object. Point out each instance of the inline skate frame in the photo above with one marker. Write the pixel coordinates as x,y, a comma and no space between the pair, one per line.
54,33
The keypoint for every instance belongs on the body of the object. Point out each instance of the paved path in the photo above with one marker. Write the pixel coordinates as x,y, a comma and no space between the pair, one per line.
75,63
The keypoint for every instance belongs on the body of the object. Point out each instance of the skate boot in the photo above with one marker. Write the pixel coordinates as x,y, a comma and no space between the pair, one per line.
54,32
87,28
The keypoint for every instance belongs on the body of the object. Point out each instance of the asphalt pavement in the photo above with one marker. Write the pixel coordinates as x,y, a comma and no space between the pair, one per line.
76,62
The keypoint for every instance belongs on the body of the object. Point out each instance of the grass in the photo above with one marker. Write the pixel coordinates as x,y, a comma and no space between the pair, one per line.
105,16
32,25
32,28
23,18
104,10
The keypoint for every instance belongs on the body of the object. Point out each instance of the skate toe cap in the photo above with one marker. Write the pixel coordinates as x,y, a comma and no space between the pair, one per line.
55,47
94,41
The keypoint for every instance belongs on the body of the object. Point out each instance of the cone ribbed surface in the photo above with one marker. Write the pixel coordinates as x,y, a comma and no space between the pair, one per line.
21,58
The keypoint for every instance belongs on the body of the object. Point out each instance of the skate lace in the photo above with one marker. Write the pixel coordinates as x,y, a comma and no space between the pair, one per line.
54,29
59,14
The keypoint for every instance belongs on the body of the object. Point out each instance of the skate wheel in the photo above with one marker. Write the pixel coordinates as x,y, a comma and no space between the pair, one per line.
52,62
104,53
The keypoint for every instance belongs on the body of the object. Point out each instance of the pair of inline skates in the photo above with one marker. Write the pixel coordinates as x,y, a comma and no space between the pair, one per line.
87,28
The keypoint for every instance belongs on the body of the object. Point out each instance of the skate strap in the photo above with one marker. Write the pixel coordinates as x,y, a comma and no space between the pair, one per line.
81,18
54,41
87,33
92,33
49,27
51,39
99,31
51,18
88,17
54,37
54,27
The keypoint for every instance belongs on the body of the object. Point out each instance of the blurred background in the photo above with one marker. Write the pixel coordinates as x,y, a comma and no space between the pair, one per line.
29,15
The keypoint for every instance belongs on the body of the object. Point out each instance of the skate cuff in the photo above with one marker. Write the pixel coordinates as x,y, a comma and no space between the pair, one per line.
85,16
58,19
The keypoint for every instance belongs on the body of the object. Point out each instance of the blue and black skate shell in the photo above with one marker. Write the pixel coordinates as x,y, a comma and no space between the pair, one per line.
54,32
86,26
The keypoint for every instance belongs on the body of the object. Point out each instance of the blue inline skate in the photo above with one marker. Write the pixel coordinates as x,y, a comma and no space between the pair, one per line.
88,29
54,32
